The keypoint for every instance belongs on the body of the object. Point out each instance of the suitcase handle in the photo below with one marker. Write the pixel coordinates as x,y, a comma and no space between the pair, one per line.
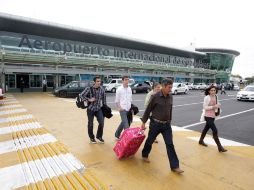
141,132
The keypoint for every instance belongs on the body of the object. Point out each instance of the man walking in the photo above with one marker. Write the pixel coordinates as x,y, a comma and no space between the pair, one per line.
160,106
44,85
96,97
123,102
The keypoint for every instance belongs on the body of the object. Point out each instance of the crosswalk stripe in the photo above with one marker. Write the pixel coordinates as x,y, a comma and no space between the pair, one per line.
10,106
21,127
13,111
17,118
9,146
14,177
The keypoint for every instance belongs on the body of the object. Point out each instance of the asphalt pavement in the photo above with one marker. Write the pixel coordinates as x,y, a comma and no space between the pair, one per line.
236,122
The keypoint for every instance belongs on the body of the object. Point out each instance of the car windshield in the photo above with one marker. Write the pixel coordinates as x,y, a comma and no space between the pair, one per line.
249,88
175,84
134,85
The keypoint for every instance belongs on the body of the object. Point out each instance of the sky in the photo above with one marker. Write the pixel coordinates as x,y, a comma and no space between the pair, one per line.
175,23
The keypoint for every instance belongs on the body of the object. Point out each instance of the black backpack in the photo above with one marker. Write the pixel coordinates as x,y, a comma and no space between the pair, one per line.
83,104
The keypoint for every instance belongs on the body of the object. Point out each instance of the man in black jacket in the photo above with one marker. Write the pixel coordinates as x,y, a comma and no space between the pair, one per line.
160,106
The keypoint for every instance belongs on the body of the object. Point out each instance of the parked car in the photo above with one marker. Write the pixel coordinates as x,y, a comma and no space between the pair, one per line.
115,83
200,86
246,94
180,88
150,83
72,89
236,87
140,87
190,85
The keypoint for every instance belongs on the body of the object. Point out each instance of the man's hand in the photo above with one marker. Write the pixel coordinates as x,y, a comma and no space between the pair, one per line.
91,99
143,126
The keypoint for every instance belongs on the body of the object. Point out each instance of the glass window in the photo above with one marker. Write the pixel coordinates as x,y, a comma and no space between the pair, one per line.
50,81
35,81
69,79
10,80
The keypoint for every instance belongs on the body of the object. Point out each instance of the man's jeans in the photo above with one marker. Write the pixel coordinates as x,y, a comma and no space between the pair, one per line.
124,123
100,119
155,129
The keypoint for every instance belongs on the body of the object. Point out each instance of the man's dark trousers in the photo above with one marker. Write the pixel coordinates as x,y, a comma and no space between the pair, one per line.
155,129
100,119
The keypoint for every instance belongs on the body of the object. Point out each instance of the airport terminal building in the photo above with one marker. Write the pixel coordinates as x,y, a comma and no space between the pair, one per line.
33,50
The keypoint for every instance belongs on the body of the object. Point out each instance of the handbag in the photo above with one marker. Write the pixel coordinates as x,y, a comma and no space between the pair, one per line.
217,113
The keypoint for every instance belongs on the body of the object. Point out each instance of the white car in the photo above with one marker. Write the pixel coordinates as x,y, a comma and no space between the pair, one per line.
246,94
236,87
180,88
190,85
115,83
200,86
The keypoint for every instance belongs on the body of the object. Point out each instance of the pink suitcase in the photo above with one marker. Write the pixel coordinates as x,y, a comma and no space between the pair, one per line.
129,143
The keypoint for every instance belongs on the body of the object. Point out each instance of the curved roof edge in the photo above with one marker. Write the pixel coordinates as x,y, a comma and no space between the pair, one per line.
20,24
218,50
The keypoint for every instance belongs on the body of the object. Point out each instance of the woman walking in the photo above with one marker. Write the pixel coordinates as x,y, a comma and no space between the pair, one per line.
211,109
155,88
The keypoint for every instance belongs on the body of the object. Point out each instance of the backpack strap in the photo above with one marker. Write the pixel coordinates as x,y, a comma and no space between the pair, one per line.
91,91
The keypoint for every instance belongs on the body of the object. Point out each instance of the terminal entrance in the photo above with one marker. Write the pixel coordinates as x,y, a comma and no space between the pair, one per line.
25,78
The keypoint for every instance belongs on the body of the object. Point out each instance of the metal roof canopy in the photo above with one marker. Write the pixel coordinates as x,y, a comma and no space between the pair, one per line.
19,24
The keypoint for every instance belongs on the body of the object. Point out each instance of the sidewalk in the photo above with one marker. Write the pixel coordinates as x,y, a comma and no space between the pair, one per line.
205,167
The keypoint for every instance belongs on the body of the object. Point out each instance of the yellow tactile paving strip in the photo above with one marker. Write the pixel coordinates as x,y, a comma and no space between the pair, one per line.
28,153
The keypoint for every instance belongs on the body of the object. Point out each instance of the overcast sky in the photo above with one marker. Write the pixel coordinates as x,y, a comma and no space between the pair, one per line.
175,23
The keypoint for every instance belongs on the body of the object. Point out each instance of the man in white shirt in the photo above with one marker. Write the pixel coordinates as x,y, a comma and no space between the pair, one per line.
44,84
123,102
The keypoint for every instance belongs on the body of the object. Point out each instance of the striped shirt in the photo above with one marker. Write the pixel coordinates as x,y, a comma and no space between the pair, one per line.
98,94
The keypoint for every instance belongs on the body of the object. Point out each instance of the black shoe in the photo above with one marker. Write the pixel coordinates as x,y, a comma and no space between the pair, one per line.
202,143
222,149
100,140
93,141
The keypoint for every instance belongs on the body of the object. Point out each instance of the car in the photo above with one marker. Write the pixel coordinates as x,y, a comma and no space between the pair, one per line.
140,88
246,94
72,89
200,86
179,88
190,85
236,87
115,83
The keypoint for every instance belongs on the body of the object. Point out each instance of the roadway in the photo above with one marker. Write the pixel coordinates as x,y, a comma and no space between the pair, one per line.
236,122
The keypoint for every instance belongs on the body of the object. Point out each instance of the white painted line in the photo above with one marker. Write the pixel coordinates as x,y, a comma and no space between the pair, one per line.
222,117
200,103
231,95
136,119
18,118
22,127
176,128
10,102
10,106
66,100
195,103
13,177
224,142
9,146
115,113
13,111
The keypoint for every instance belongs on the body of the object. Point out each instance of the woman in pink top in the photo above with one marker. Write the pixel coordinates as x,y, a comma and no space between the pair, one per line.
210,106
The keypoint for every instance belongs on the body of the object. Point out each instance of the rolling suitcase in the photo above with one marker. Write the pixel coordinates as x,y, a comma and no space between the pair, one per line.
129,142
